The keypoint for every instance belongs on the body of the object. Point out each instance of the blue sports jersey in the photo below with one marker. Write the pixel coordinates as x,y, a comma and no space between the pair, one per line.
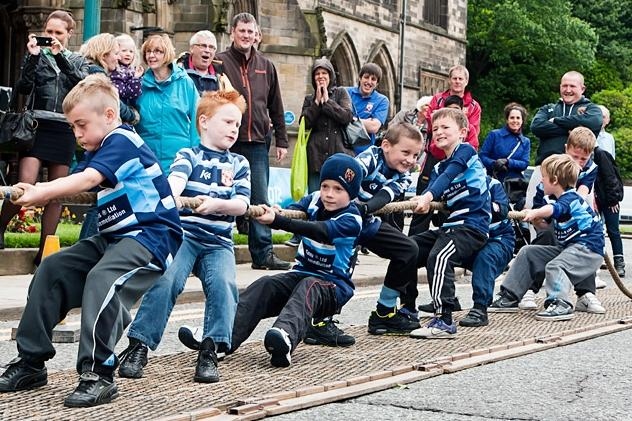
586,177
223,175
576,222
333,260
460,181
377,176
135,200
500,228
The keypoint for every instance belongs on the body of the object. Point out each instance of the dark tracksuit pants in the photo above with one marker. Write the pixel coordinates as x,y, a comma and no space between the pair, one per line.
547,237
389,243
105,280
440,251
293,296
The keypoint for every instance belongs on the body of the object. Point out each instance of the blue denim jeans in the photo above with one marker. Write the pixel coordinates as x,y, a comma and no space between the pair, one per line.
259,235
89,226
215,266
489,264
611,221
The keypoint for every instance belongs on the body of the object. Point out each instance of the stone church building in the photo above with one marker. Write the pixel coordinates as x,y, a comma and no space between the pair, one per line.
295,33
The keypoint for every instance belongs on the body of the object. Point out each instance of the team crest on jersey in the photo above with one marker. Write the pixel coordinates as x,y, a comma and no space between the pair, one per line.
227,178
369,106
349,175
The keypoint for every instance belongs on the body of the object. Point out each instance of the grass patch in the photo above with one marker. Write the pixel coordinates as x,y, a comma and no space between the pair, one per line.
69,234
625,229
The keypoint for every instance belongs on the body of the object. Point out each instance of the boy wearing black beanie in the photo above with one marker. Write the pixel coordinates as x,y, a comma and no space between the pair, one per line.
320,283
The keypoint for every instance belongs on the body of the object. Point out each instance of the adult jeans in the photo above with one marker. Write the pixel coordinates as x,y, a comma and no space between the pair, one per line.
611,220
259,235
215,266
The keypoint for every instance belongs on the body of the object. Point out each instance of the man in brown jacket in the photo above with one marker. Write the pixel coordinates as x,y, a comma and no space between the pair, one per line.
255,77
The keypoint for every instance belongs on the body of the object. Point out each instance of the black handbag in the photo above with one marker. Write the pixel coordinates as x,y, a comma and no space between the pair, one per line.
18,128
355,135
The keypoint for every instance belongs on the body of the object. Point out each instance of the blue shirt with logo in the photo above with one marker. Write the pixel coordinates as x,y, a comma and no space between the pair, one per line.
135,199
460,181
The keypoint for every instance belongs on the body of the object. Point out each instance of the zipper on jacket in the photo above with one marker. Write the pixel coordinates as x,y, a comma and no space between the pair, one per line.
246,82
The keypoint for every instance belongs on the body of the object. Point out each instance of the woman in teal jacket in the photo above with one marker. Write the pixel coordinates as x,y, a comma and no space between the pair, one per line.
168,102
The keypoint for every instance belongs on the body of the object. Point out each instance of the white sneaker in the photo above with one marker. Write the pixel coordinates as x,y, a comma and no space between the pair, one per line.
589,303
528,301
600,283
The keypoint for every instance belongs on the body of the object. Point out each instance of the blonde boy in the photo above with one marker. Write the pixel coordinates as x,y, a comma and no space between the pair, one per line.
576,256
579,146
139,233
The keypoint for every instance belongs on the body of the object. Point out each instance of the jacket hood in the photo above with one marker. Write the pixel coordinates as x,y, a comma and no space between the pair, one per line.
325,64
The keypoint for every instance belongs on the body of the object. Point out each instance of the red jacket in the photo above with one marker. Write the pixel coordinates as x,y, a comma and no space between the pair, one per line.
472,110
257,80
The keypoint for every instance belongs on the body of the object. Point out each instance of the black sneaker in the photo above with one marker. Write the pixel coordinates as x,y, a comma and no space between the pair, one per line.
19,375
206,367
504,304
92,390
364,250
475,318
191,337
272,263
132,361
391,324
277,343
294,241
325,332
619,265
413,316
429,308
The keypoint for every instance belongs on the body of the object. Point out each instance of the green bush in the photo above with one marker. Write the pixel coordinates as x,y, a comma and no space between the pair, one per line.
623,147
619,102
69,234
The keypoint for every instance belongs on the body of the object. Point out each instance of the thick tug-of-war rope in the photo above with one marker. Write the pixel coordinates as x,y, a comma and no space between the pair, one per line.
89,198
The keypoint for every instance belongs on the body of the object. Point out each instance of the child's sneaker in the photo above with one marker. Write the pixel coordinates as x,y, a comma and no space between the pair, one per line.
528,301
600,283
191,337
393,323
589,303
325,332
413,316
475,318
429,308
556,310
436,329
277,343
503,304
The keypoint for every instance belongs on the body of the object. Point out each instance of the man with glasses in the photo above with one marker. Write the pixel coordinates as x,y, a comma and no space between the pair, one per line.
199,64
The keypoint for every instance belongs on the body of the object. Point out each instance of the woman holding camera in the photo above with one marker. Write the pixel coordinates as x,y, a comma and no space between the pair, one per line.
49,71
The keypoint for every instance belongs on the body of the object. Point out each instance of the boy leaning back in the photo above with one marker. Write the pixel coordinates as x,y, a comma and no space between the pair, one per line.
460,181
221,181
320,283
576,256
139,233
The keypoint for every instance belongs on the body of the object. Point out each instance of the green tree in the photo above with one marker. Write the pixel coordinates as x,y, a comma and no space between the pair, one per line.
612,21
518,49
